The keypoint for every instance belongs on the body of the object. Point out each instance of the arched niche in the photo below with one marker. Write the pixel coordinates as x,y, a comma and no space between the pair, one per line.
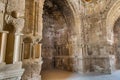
59,22
112,16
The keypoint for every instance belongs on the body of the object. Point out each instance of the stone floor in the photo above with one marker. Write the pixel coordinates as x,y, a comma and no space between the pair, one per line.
64,75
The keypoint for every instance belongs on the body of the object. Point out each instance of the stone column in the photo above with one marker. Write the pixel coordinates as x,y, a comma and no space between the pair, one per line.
17,47
3,46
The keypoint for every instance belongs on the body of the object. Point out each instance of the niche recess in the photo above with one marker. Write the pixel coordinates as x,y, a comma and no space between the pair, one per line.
57,28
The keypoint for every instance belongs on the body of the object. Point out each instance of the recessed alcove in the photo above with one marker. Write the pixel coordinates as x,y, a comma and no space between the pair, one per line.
57,30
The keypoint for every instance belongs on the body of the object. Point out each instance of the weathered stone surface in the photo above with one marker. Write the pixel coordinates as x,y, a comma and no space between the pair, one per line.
32,70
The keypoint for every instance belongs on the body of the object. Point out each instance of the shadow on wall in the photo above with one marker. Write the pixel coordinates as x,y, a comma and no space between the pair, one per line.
10,43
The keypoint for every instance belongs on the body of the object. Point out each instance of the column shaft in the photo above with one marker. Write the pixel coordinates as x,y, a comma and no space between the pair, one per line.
3,47
16,48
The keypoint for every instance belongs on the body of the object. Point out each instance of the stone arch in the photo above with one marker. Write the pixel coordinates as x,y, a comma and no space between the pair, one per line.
74,12
112,15
71,17
76,15
116,45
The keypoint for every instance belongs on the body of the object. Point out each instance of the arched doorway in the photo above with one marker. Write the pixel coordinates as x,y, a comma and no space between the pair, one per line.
112,33
59,36
112,15
116,45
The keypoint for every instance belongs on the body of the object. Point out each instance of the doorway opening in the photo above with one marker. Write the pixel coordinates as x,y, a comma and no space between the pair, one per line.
116,45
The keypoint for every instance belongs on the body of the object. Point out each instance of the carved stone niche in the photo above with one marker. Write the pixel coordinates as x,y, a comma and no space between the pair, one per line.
26,48
31,49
